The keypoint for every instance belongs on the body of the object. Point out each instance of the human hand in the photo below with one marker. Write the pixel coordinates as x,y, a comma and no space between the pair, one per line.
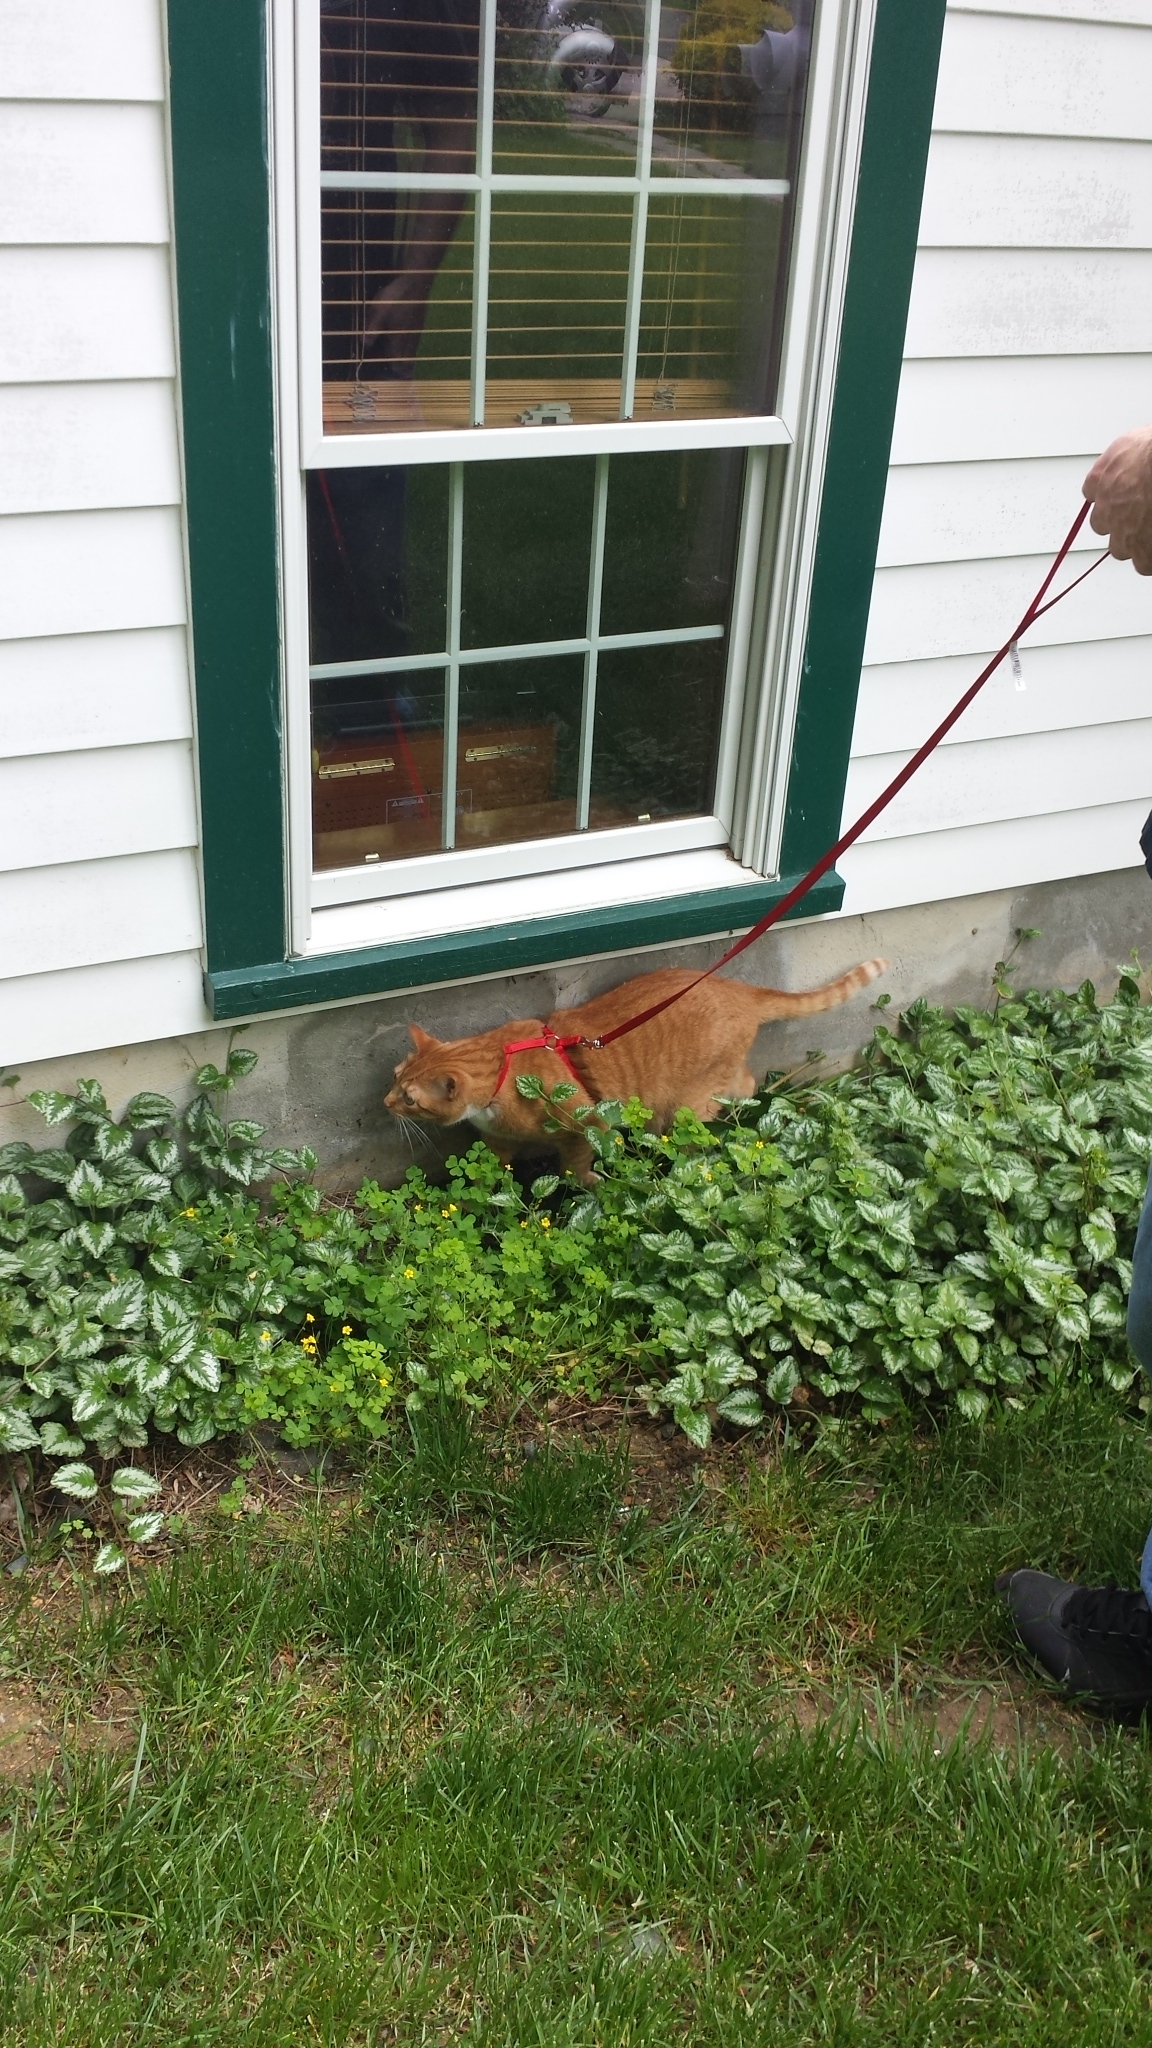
1119,487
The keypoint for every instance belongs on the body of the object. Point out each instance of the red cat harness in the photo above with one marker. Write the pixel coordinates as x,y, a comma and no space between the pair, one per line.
548,1042
1041,603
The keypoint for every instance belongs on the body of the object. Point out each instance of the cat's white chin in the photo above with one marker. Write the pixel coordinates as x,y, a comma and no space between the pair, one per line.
485,1118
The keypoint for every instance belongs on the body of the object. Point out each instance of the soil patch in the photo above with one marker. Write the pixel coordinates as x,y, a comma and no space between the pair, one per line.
32,1735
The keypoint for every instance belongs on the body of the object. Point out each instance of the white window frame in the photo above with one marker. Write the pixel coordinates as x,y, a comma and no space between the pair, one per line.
340,908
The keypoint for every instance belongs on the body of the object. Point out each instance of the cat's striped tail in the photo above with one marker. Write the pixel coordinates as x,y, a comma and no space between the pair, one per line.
803,1002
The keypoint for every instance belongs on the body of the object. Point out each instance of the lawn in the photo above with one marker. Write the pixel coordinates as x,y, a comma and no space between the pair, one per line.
570,1736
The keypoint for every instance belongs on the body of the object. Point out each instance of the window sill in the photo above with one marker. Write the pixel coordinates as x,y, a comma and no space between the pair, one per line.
374,949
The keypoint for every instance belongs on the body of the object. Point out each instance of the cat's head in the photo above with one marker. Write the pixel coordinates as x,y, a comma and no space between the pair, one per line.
440,1080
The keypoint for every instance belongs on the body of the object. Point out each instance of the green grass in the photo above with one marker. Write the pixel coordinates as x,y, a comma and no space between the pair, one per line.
494,1751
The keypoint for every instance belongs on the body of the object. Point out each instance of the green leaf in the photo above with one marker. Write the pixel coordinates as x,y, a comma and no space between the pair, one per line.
108,1559
52,1106
741,1406
78,1481
130,1483
18,1432
973,1403
202,1370
1098,1235
546,1184
144,1528
122,1306
58,1442
96,1238
86,1185
782,1381
695,1424
149,1112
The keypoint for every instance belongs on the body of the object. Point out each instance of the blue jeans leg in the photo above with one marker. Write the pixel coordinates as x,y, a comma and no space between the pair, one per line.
1140,1334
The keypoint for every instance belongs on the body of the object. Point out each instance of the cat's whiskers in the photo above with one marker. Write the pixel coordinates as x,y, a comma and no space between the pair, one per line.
412,1130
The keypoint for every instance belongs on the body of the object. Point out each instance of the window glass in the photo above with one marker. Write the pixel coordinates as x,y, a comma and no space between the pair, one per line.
377,767
527,534
471,272
670,539
567,77
427,736
730,88
377,541
516,765
656,730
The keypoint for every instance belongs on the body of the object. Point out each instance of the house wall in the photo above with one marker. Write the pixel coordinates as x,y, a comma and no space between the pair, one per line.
1029,345
99,896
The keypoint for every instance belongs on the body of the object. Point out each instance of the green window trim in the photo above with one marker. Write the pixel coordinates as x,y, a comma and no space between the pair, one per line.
217,53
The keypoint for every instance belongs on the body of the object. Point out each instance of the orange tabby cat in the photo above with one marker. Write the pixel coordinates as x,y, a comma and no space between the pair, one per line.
688,1057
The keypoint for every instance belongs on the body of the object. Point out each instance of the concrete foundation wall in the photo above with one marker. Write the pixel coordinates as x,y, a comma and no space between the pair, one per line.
323,1073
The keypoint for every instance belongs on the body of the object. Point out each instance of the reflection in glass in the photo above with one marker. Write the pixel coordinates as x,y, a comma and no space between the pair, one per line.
730,88
656,729
706,330
559,285
377,562
398,86
516,761
397,312
527,536
379,583
670,540
377,767
568,86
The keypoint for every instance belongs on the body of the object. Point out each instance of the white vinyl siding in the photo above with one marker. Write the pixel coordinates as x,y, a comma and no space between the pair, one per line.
99,891
1029,347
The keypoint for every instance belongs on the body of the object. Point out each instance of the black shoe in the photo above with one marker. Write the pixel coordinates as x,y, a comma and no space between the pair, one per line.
1096,1641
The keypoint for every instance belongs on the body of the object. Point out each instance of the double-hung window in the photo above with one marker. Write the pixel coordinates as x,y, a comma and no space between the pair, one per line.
556,304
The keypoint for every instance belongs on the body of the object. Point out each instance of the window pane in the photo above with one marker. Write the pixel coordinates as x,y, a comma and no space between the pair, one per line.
518,749
559,286
656,728
377,562
527,537
567,88
710,290
377,768
730,88
398,95
669,540
397,312
398,83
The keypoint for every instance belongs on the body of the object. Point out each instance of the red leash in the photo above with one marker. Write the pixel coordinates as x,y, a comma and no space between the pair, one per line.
1040,604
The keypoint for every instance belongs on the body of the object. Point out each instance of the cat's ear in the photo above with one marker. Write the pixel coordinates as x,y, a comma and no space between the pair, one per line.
421,1039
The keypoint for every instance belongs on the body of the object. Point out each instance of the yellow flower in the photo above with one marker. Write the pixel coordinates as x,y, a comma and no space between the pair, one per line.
309,1318
451,1208
409,1272
545,1223
333,1386
419,1209
265,1336
346,1329
759,1144
523,1223
384,1379
445,1212
187,1212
